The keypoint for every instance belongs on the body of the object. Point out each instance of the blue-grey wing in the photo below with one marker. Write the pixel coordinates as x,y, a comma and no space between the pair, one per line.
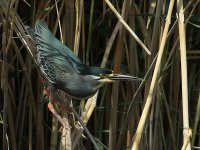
52,68
53,57
46,37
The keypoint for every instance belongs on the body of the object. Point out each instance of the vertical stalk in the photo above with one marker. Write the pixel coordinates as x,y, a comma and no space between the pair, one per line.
89,32
58,15
4,78
181,27
115,88
145,112
4,81
127,27
79,16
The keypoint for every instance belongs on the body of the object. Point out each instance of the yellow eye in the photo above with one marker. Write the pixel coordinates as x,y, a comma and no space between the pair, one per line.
101,75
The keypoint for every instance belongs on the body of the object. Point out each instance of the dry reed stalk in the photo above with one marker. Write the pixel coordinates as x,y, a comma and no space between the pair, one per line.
83,34
4,81
85,116
65,142
40,7
152,8
145,112
66,136
54,134
169,118
89,108
142,25
156,30
187,136
133,67
154,47
57,20
40,140
109,44
115,87
27,112
6,43
142,84
84,127
127,27
61,35
89,32
79,16
181,27
70,20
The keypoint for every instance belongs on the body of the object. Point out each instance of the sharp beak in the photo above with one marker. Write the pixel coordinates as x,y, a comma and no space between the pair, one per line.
120,77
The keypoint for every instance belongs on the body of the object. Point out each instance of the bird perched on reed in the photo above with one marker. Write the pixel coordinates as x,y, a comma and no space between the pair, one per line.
64,70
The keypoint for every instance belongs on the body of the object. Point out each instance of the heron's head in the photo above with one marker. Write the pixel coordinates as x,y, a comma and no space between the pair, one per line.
107,76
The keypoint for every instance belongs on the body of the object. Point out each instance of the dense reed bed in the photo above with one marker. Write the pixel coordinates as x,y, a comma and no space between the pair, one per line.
161,112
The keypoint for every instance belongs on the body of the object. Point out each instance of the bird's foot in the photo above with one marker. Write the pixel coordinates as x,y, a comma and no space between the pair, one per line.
60,119
63,106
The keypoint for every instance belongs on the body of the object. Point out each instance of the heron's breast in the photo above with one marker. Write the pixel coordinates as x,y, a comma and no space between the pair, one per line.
77,87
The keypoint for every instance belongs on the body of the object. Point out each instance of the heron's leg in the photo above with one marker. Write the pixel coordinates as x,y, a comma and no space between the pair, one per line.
63,106
51,91
60,119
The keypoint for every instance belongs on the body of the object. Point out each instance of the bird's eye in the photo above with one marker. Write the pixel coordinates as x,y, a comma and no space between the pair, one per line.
101,75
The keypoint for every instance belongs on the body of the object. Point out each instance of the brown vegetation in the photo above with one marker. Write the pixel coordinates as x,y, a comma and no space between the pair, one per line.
152,114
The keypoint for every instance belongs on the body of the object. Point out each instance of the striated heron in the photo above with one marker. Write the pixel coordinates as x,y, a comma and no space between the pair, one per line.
64,70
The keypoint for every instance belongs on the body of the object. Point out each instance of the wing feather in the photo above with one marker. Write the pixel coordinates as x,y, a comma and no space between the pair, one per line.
54,58
46,37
